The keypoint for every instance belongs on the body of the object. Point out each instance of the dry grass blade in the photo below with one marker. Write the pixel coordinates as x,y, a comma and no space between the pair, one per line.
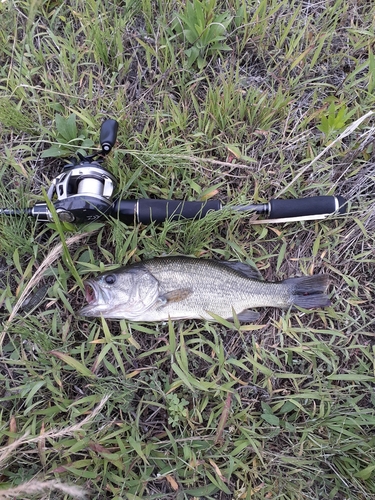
37,487
33,488
7,451
48,261
349,130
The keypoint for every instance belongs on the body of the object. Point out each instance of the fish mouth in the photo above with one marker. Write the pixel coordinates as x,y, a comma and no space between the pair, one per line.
94,300
90,293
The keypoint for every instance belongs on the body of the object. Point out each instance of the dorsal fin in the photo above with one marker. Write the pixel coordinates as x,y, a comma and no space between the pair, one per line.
245,269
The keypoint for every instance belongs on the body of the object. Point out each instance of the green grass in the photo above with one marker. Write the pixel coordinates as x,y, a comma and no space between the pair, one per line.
282,409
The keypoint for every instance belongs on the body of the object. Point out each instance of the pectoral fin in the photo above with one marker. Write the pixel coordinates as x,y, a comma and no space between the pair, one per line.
174,296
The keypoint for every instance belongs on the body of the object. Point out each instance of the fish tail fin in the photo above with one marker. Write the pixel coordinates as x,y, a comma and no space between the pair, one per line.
308,292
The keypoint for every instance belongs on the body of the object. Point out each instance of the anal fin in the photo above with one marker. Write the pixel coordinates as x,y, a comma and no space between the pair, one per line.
247,316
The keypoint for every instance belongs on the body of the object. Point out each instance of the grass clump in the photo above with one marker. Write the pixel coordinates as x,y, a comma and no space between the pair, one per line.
12,118
243,101
204,29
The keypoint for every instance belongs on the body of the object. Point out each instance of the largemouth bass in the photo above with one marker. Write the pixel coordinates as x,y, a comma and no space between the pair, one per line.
188,288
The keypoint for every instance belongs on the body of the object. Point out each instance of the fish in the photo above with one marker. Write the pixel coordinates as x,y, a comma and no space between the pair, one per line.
182,288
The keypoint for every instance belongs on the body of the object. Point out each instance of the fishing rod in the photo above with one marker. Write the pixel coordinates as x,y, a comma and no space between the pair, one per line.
85,192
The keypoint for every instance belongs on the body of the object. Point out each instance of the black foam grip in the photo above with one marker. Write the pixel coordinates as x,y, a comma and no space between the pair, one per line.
316,205
161,210
108,134
125,210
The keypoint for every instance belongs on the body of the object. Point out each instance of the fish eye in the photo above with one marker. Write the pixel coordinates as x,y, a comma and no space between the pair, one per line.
110,279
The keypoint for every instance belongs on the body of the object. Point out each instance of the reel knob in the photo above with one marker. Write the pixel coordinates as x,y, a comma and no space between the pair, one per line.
108,135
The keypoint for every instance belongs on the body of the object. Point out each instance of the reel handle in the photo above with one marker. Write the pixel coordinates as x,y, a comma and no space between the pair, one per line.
108,135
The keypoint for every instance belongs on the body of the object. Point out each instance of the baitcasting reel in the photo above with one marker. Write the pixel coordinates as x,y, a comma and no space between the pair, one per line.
84,191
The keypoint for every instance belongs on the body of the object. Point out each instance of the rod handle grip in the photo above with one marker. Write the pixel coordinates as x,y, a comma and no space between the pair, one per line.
150,210
300,207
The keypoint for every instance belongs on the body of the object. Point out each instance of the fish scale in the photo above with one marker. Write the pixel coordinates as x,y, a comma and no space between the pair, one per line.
218,293
188,288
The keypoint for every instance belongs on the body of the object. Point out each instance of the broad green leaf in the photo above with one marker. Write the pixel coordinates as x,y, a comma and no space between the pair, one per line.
352,377
365,473
137,447
182,376
74,363
203,491
55,152
66,127
271,419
